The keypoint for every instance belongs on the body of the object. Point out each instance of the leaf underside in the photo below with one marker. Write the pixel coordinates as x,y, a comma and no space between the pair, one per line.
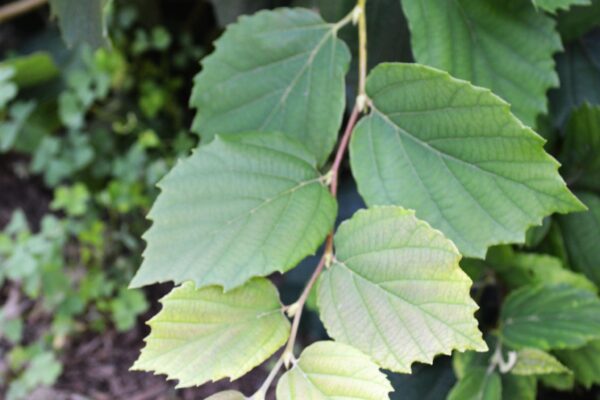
550,317
396,291
504,45
330,370
455,154
203,335
244,205
279,70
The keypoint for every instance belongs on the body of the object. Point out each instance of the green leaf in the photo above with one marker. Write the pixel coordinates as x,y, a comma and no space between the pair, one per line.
585,363
518,387
555,5
581,151
562,382
245,205
504,45
396,292
277,70
330,370
19,113
227,395
479,384
550,317
581,233
204,334
579,71
474,171
537,362
32,69
81,21
521,269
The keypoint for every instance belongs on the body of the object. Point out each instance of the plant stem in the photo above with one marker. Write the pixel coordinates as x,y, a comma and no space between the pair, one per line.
16,8
362,53
295,309
262,392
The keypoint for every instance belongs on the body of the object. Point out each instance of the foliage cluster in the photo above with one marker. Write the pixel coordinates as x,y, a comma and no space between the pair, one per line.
88,123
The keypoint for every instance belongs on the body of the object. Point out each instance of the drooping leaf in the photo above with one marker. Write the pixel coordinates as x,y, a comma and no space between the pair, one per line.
521,269
396,292
578,21
455,154
550,317
245,205
479,384
330,370
553,6
204,334
537,362
585,363
581,235
581,151
579,71
279,70
426,382
81,21
504,45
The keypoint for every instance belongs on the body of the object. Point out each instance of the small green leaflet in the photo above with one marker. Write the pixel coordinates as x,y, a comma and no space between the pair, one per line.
244,205
553,6
395,290
81,21
537,362
203,335
32,69
550,317
585,363
479,384
455,154
504,45
279,70
581,151
330,370
581,235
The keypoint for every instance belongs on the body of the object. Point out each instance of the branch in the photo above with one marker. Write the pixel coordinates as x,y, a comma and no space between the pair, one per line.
16,8
295,310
